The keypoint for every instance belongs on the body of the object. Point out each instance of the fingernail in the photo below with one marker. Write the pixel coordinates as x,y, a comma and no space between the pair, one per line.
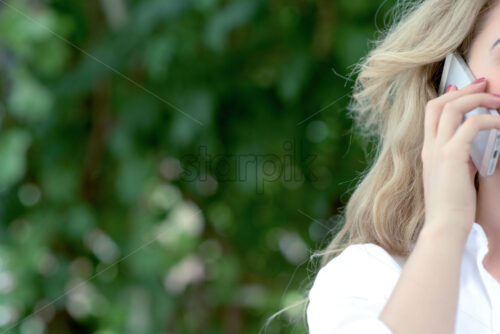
448,88
478,81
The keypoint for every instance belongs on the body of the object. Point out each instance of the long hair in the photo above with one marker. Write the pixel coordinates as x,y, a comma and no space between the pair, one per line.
394,82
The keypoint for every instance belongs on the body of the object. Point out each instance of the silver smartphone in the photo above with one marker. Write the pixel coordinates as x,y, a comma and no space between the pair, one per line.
485,147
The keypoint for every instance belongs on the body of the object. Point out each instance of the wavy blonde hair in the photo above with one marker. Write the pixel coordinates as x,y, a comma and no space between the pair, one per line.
394,83
395,80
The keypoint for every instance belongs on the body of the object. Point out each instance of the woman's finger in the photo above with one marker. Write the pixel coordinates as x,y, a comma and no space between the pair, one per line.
462,140
435,106
454,111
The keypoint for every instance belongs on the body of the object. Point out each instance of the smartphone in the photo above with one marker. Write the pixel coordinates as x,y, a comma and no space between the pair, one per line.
486,145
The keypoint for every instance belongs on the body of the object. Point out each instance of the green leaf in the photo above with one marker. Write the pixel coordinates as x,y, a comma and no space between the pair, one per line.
13,146
30,101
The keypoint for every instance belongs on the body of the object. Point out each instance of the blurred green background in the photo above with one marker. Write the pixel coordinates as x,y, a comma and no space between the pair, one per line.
168,166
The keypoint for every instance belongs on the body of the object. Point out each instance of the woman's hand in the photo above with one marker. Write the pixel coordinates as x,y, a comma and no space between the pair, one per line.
448,170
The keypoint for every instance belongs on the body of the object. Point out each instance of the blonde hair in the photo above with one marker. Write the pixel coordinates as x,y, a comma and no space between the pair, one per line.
394,83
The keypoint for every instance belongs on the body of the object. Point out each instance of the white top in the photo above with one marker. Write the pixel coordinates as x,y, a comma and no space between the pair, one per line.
351,290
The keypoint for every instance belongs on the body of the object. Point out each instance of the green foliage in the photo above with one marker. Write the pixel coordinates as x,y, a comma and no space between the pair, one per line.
169,166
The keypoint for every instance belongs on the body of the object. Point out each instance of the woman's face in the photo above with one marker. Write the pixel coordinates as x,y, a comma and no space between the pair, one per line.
485,52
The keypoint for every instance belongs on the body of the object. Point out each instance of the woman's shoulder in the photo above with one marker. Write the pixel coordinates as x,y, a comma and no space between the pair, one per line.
360,269
371,256
351,290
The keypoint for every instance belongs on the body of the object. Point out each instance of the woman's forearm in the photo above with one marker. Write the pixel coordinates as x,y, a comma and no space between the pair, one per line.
425,297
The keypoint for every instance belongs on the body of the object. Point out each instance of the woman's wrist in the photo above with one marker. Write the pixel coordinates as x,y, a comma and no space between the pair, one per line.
445,229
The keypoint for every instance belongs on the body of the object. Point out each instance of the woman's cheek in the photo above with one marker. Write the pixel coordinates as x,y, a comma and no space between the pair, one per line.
494,74
494,83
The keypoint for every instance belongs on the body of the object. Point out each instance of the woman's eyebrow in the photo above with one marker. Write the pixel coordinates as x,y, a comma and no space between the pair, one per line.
495,44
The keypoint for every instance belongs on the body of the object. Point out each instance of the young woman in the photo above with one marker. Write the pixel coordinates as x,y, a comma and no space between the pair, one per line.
420,248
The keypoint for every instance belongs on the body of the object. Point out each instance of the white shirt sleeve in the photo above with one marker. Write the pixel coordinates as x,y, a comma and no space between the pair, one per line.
349,293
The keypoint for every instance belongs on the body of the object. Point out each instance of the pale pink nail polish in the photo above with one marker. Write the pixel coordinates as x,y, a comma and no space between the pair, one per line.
478,81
